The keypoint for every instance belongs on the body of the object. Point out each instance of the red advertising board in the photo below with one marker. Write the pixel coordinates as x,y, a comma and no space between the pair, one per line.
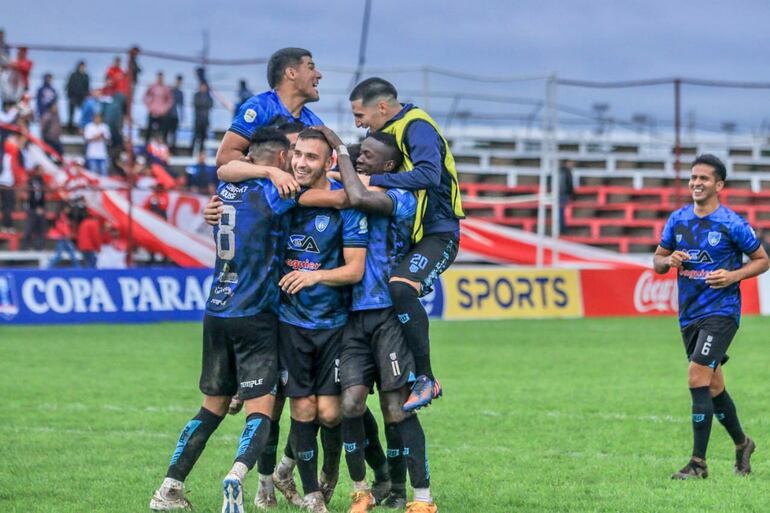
642,292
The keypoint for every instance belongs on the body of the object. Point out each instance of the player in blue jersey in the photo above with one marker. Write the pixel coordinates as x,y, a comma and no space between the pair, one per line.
374,348
706,242
240,327
293,80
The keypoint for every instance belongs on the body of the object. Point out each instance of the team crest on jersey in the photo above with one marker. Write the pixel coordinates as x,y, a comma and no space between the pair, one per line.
250,115
363,225
321,222
678,237
714,238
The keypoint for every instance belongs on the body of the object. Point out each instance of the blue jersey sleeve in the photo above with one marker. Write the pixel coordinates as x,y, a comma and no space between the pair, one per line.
355,229
250,115
277,204
667,239
404,203
426,153
744,237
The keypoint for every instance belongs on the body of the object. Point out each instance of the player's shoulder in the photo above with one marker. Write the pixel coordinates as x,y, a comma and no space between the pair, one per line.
234,192
404,202
309,118
726,214
684,213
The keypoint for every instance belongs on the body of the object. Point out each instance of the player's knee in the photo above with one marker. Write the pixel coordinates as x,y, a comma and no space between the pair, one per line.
304,409
352,405
392,412
401,291
216,404
699,375
329,416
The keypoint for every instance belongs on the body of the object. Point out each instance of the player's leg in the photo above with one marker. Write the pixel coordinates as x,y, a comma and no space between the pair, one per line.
375,457
727,415
265,497
303,436
412,278
396,498
255,347
218,383
327,387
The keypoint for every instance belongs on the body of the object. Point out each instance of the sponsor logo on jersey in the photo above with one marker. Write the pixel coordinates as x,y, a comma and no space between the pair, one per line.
250,115
232,192
252,383
227,277
302,242
321,222
714,238
9,307
694,275
363,225
652,294
700,256
302,265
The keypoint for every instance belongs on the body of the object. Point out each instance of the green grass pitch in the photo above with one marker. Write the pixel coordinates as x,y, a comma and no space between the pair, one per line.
538,416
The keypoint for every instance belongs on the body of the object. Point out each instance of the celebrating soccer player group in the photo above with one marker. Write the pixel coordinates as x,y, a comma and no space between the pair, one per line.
322,255
323,252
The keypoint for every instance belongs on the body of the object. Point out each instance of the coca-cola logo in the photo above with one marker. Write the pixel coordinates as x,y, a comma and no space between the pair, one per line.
655,295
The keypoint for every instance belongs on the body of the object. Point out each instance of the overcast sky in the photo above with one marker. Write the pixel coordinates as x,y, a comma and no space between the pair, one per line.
593,40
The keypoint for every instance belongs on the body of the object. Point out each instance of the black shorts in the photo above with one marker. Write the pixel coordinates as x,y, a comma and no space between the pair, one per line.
240,354
309,360
374,350
706,340
428,259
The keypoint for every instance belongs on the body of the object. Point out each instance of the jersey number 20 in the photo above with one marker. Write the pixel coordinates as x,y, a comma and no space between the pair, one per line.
226,236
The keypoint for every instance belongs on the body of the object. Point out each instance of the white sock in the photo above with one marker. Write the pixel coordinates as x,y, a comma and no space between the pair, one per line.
361,486
169,484
238,471
423,495
266,481
285,466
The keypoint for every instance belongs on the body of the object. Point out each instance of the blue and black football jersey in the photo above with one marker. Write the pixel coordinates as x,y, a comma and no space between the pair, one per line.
390,238
262,109
315,241
250,238
716,241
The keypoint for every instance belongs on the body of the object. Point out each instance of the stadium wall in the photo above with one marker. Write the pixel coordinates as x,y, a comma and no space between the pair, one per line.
72,296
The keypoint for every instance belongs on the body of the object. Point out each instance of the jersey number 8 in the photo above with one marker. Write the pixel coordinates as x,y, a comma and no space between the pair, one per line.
226,236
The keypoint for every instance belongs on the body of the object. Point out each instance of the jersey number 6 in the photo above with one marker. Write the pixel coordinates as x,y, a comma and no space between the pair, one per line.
226,236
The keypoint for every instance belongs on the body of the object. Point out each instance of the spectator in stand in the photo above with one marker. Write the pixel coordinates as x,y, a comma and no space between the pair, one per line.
89,239
158,100
78,85
97,135
12,176
157,202
116,77
176,114
23,66
200,175
50,128
34,231
244,93
113,108
8,116
14,76
61,232
202,104
113,251
46,95
89,107
566,190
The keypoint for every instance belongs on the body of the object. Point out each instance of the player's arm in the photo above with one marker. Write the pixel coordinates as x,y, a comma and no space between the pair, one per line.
233,147
349,273
426,152
665,259
212,213
242,169
322,198
757,264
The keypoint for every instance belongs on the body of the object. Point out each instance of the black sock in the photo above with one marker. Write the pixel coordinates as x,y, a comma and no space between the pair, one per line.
353,437
414,321
724,411
253,439
702,413
331,441
415,451
373,452
266,463
396,461
305,447
191,443
288,451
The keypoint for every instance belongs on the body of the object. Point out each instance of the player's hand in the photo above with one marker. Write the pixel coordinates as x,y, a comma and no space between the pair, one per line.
297,280
676,258
213,211
287,186
332,138
235,405
720,279
334,175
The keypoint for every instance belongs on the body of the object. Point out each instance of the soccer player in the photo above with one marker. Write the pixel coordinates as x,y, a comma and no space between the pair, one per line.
240,327
293,80
436,232
706,242
374,348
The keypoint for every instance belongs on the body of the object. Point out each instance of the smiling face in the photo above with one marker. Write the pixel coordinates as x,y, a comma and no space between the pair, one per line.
372,116
306,78
310,161
375,158
704,183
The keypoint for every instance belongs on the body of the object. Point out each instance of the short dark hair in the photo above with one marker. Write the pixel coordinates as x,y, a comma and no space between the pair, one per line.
282,59
712,160
286,125
268,135
310,133
389,140
373,89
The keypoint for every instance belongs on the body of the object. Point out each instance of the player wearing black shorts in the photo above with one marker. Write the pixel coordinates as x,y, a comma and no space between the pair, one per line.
374,347
240,327
429,171
706,242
